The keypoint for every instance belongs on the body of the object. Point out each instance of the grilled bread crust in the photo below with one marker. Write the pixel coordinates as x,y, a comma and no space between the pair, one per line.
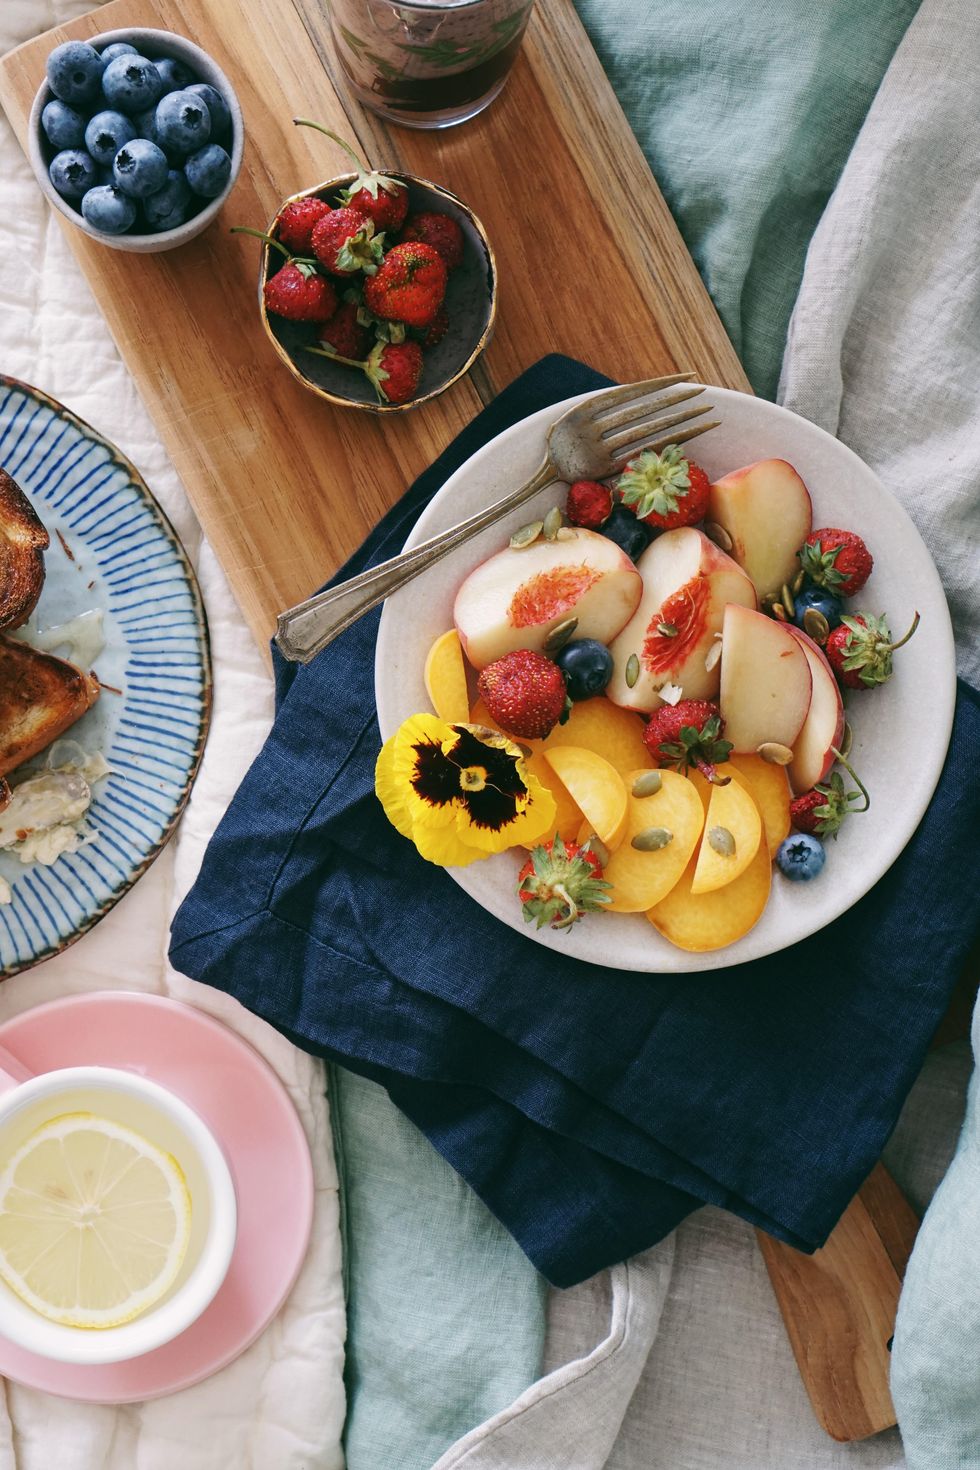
40,697
23,542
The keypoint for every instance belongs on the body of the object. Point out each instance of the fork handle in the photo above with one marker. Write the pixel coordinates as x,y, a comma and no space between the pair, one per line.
302,631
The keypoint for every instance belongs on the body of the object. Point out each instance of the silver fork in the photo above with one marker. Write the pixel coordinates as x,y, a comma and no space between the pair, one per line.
589,442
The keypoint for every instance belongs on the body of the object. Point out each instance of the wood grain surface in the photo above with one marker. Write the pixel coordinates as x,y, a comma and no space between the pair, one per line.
591,264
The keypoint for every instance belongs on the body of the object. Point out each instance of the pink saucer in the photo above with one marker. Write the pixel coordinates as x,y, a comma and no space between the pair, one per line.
244,1103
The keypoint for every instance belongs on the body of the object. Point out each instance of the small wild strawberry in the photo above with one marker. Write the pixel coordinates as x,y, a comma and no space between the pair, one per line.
395,369
409,285
299,293
381,199
344,242
589,504
441,232
524,693
665,490
294,227
344,333
689,733
837,560
820,812
860,650
559,883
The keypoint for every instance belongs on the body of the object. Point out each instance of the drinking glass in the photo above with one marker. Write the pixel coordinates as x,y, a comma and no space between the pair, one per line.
428,63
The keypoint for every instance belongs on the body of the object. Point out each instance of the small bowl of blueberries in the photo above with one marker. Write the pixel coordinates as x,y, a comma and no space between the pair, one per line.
136,137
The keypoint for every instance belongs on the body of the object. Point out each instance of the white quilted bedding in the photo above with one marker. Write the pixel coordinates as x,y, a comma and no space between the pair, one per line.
281,1404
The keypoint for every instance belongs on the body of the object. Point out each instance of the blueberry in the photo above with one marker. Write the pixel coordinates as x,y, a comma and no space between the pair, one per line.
140,168
117,48
108,209
183,122
105,135
800,857
72,172
218,108
131,84
174,75
622,527
587,665
821,601
171,205
74,72
145,124
63,126
208,171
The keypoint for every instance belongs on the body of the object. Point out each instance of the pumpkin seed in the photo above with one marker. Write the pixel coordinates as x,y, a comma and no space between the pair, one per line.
718,535
667,630
560,635
712,657
632,670
721,841
595,844
788,602
527,535
797,582
648,784
779,613
847,739
816,625
566,533
552,523
652,839
774,753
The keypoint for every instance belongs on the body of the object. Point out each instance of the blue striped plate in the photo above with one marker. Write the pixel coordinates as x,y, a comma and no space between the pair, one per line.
111,548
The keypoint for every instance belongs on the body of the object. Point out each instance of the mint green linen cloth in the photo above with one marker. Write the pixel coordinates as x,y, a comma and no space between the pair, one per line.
746,111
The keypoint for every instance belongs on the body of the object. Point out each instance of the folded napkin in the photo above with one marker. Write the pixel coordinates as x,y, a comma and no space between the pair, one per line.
591,1109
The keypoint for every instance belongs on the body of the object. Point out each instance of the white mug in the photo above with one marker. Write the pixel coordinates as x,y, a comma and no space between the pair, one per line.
27,1101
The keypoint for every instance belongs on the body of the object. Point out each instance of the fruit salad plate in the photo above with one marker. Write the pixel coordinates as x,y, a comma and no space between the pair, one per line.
898,756
119,598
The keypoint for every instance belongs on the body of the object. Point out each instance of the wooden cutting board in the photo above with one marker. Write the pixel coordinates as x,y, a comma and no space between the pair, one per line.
590,263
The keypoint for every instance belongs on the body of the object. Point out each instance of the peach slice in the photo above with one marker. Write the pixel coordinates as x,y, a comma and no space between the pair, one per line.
765,681
765,508
615,734
445,679
703,921
596,788
770,791
515,598
823,728
639,878
731,810
687,582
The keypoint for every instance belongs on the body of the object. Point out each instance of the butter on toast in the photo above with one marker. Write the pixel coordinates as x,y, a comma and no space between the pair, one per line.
40,696
23,542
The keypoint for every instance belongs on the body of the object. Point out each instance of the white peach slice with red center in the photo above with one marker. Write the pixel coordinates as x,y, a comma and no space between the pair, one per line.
823,728
687,582
765,681
515,598
766,510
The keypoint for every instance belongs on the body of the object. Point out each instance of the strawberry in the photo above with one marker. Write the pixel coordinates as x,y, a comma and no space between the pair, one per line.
665,490
381,199
344,242
435,331
589,504
837,560
441,232
409,285
299,293
559,883
860,650
524,693
822,810
296,221
395,369
344,333
689,734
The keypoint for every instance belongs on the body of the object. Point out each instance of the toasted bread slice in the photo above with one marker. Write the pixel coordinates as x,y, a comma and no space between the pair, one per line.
40,696
23,542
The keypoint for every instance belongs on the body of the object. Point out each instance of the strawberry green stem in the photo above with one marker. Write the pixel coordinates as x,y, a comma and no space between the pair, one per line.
307,122
853,774
336,357
891,647
269,240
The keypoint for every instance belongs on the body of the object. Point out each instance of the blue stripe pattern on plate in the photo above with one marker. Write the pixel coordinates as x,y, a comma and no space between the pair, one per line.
111,548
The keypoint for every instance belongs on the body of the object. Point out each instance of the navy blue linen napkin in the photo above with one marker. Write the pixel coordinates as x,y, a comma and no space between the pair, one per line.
591,1109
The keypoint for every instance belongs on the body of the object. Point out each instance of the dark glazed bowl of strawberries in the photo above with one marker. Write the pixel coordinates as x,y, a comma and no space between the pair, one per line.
377,288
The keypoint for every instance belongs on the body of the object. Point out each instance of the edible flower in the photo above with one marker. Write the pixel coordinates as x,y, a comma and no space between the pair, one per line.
459,792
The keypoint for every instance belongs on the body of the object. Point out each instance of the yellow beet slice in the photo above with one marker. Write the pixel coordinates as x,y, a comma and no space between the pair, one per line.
641,879
445,679
769,788
732,808
704,921
595,786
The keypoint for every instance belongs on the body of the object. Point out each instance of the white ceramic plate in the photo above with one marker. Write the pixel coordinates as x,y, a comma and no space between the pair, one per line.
898,758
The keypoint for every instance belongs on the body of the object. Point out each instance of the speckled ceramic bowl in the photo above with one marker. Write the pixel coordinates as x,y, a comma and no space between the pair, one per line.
471,302
154,44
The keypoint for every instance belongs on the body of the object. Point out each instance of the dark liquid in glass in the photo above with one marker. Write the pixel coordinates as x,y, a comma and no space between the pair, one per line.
434,93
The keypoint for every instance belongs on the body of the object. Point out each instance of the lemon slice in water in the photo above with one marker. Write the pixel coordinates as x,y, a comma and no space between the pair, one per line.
94,1221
